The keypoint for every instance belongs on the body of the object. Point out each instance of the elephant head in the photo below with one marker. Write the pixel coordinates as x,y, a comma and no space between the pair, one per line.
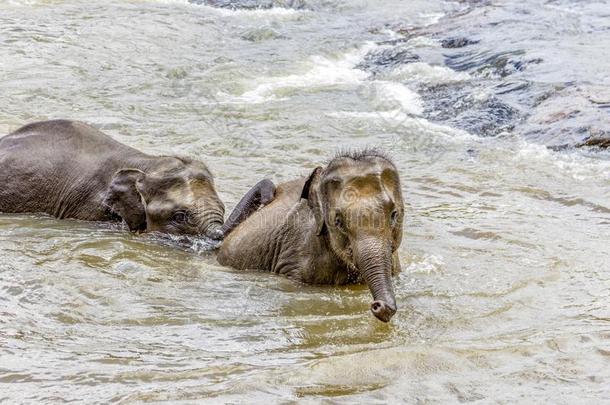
176,196
358,207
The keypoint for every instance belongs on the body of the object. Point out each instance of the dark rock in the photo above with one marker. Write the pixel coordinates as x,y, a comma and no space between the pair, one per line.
386,59
458,42
455,105
602,143
251,4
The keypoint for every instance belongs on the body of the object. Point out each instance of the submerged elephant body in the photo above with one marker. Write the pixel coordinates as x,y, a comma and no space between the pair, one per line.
71,170
341,225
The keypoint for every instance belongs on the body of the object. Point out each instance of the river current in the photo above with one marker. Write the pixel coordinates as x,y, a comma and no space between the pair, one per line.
491,111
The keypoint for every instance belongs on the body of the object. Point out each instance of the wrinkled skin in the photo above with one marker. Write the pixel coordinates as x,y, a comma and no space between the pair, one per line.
71,170
341,225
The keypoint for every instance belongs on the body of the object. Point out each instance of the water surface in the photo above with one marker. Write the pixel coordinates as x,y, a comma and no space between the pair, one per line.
505,289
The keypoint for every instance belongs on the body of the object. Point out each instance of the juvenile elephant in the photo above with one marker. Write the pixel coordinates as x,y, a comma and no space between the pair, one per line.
341,225
71,170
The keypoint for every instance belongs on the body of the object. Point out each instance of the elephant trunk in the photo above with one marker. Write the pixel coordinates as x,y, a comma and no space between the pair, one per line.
212,220
215,231
373,258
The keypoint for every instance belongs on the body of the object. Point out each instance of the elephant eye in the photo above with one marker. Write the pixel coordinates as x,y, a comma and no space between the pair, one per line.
394,218
180,217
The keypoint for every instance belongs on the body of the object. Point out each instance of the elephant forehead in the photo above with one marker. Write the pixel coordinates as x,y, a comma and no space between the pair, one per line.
189,192
363,191
364,178
362,183
348,169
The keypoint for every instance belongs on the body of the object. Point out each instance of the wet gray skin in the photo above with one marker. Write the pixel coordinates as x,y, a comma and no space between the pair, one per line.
341,225
503,293
69,169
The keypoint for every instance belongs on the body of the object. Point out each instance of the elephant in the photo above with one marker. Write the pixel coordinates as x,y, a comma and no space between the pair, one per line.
340,225
69,169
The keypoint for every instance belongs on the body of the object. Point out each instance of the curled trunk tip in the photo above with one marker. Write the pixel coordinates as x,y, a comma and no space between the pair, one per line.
373,258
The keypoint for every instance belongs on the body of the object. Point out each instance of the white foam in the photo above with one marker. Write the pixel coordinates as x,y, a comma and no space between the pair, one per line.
392,96
423,42
257,12
392,35
421,72
430,18
397,106
22,3
572,164
426,264
178,2
322,72
394,103
408,123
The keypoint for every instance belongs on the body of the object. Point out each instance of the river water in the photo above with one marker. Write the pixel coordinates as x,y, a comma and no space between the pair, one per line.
505,290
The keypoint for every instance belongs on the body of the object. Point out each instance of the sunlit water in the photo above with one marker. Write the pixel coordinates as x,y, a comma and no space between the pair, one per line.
505,289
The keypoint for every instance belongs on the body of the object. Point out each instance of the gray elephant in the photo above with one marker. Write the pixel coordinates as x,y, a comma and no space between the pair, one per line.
71,170
341,225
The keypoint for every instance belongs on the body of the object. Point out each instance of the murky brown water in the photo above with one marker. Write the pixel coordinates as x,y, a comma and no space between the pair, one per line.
505,290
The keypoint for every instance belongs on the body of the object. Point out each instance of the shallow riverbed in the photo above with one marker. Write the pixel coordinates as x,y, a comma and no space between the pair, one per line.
505,289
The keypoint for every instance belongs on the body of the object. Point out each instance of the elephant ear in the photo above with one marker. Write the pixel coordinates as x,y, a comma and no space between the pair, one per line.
125,200
311,192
